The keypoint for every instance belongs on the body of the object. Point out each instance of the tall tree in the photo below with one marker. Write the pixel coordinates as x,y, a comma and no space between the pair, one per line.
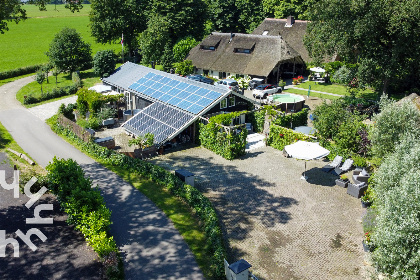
382,35
285,8
109,19
68,52
104,62
12,10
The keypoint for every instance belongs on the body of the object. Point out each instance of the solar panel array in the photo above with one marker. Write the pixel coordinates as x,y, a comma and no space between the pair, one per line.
183,95
159,119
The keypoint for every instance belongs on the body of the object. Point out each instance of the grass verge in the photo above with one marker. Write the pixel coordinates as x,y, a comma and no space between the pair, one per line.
183,218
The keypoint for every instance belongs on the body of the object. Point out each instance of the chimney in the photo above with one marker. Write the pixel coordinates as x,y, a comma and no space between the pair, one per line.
290,20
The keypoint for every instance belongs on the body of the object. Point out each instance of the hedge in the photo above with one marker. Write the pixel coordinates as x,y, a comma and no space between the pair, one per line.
54,93
280,136
19,71
85,208
194,198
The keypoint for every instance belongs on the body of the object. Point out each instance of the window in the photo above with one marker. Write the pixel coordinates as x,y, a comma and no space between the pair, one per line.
265,32
238,50
223,103
208,48
231,101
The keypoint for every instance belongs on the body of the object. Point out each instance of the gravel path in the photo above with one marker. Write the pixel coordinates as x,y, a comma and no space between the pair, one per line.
286,228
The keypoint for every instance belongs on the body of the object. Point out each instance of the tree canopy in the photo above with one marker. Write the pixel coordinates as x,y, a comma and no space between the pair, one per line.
382,37
68,52
104,62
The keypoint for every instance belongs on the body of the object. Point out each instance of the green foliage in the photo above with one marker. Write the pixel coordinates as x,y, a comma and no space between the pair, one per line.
40,77
143,141
54,93
68,52
183,47
89,100
184,68
230,144
106,113
75,77
296,119
194,198
347,138
67,111
328,118
344,75
280,137
104,62
392,124
83,204
381,53
283,9
396,235
39,183
19,71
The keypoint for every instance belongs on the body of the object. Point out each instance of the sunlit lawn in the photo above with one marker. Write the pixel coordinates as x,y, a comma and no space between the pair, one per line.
336,89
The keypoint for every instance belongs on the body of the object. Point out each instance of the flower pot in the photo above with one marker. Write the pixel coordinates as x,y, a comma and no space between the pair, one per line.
366,204
365,247
342,183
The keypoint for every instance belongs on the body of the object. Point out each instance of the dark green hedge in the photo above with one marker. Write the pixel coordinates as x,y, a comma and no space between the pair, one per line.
19,71
85,208
194,198
54,93
296,119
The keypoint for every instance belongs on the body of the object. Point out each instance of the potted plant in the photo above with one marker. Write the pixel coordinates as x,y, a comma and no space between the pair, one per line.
368,245
343,181
367,198
300,79
282,84
295,81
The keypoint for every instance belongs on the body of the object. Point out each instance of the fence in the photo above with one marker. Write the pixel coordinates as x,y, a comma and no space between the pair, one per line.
81,132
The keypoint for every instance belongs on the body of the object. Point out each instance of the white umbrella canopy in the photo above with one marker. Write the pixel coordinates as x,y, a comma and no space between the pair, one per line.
317,69
307,151
101,88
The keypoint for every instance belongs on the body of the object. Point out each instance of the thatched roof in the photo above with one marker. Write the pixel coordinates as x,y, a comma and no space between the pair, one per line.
292,35
266,52
414,97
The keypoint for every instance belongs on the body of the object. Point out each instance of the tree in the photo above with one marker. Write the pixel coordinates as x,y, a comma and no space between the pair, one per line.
392,124
143,141
12,11
109,19
68,52
40,77
285,8
380,36
55,72
184,68
396,234
183,47
104,62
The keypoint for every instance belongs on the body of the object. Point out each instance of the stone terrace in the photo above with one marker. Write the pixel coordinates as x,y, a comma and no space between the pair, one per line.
286,228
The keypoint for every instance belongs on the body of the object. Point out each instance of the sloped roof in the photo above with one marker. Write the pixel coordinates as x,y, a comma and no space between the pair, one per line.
267,52
292,35
177,101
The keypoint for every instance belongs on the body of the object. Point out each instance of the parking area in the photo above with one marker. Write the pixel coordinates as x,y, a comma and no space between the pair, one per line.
286,228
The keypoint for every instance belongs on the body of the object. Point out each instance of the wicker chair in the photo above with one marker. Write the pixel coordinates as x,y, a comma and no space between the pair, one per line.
360,176
357,190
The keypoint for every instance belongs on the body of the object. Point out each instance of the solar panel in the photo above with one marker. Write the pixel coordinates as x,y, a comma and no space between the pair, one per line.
183,95
159,119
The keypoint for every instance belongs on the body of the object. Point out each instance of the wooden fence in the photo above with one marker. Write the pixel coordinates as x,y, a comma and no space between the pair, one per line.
81,132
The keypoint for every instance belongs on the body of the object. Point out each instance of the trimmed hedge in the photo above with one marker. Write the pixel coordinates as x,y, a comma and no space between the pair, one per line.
296,119
194,198
280,136
85,208
54,93
19,71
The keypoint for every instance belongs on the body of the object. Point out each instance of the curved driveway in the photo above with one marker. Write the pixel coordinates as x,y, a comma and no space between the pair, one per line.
149,244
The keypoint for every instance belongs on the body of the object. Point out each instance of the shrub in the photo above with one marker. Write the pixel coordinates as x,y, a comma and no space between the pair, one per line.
54,93
392,124
296,119
19,71
328,118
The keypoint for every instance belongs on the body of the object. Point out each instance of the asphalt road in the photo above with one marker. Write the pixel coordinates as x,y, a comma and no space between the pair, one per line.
149,244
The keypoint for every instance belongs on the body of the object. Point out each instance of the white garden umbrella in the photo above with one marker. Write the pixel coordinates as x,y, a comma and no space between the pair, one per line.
317,69
307,151
101,88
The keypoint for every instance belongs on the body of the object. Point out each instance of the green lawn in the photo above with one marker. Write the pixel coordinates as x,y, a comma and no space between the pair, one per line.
25,43
312,94
334,88
89,78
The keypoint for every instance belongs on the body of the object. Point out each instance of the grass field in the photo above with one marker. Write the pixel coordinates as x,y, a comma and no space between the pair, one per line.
337,89
26,43
312,94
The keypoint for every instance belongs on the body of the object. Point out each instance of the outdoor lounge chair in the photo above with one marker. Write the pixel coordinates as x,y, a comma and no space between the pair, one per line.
335,163
344,168
357,190
360,176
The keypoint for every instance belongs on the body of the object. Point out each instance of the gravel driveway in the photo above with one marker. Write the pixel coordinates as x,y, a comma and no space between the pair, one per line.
286,228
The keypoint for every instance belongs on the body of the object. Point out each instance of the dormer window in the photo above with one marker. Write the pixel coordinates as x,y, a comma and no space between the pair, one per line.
265,32
240,50
208,48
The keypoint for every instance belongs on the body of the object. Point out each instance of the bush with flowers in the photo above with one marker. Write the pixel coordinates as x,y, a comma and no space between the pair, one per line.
300,79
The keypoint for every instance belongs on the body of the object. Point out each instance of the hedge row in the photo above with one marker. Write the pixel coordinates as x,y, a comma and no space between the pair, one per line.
280,136
19,71
85,208
54,93
296,119
194,198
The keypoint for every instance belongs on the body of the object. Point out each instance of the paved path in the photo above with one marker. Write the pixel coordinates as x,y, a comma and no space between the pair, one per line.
286,228
150,245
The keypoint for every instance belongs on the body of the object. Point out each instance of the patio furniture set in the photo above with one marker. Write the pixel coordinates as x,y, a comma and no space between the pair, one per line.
360,176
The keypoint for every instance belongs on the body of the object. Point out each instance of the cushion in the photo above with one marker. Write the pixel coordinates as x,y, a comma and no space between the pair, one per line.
364,173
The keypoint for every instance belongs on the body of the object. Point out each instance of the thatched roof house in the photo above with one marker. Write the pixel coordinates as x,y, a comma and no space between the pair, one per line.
264,53
292,31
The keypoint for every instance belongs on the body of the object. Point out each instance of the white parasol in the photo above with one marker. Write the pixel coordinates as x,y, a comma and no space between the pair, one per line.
307,151
317,69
